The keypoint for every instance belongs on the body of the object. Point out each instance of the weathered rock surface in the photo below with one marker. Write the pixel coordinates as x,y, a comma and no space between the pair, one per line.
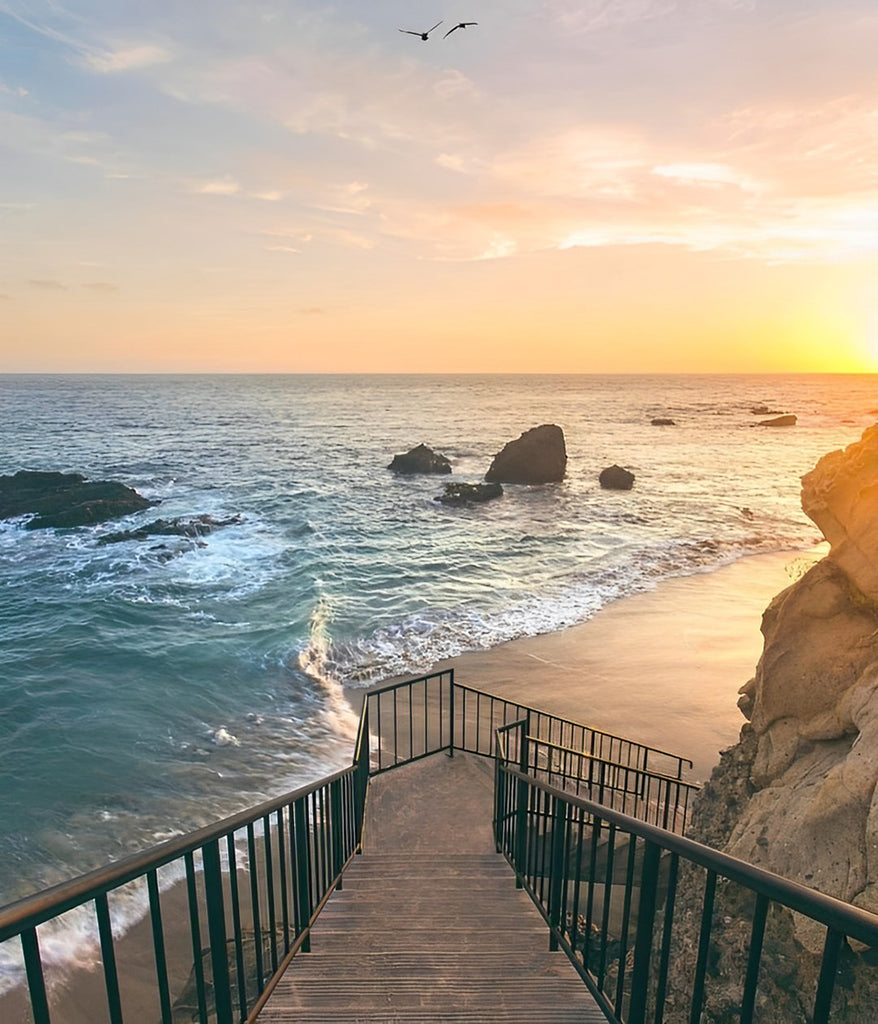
615,478
797,794
788,420
66,499
662,421
539,456
420,459
465,494
194,528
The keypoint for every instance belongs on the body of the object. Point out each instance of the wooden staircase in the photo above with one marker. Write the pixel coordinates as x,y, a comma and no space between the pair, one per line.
420,938
429,926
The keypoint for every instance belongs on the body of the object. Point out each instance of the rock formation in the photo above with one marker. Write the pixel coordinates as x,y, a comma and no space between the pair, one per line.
797,794
465,494
779,421
193,529
539,456
615,478
662,421
65,499
420,459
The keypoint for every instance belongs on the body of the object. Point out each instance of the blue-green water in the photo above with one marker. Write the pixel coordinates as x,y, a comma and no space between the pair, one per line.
141,696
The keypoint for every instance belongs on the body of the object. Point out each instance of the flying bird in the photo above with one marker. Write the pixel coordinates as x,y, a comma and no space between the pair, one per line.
460,24
423,35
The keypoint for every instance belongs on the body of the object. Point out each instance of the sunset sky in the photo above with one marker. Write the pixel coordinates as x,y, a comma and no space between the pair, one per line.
567,186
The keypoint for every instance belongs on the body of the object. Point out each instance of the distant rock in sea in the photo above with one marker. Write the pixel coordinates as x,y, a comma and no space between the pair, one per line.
538,456
615,478
764,410
662,421
420,459
797,793
66,499
779,421
466,494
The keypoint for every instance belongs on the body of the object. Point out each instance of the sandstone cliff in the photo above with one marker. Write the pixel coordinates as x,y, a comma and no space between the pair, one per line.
797,794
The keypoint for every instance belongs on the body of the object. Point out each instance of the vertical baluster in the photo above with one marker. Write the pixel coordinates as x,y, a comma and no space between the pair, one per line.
269,891
577,877
665,959
378,716
703,948
108,956
596,824
254,906
236,923
557,872
608,899
451,718
216,926
643,936
36,983
282,876
757,934
303,883
826,982
626,921
158,946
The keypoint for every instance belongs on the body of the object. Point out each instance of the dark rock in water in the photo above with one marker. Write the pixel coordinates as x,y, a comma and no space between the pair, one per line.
779,421
662,421
616,478
539,456
763,410
420,459
66,499
465,494
194,529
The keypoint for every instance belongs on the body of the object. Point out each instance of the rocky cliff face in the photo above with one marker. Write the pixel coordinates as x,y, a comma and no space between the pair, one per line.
797,794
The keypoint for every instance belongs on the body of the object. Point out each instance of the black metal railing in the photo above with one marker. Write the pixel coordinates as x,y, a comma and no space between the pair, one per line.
418,717
649,796
246,891
643,912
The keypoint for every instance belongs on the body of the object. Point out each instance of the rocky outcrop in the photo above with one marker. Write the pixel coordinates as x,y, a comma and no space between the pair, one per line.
539,456
420,459
466,494
615,478
193,529
65,499
662,421
788,420
797,794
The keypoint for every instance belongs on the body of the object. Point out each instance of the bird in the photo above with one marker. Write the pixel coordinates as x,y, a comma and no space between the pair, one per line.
423,35
460,24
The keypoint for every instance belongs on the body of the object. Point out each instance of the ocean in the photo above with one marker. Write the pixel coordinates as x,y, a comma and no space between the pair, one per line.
150,686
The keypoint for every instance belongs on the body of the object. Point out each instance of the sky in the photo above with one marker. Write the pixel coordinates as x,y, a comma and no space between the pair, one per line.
567,186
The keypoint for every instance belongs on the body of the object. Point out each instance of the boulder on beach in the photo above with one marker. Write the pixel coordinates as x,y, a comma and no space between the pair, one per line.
539,456
788,420
66,499
420,459
797,793
466,494
615,478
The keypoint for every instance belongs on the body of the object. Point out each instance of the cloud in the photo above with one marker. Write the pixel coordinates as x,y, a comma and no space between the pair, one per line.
102,286
707,174
47,285
283,248
312,311
129,58
219,187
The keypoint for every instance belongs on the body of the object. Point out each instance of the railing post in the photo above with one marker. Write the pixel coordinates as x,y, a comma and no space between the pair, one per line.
303,875
643,937
336,816
451,715
216,927
556,881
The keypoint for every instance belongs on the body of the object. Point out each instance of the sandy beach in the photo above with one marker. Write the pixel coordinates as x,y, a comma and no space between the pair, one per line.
663,667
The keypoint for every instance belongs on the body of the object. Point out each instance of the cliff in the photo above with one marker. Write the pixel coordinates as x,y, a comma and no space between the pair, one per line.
797,793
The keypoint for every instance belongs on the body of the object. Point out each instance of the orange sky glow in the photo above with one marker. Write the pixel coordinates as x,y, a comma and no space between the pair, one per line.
613,186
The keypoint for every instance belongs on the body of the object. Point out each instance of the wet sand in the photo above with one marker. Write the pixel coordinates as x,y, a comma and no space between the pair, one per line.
663,668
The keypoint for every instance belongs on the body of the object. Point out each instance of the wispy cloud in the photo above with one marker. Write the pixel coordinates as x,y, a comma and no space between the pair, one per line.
46,284
127,58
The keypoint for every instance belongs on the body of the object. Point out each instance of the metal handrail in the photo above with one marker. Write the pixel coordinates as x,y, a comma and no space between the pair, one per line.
565,851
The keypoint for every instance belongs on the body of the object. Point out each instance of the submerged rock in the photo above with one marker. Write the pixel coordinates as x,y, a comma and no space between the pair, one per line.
194,528
539,456
465,494
66,499
420,459
615,478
